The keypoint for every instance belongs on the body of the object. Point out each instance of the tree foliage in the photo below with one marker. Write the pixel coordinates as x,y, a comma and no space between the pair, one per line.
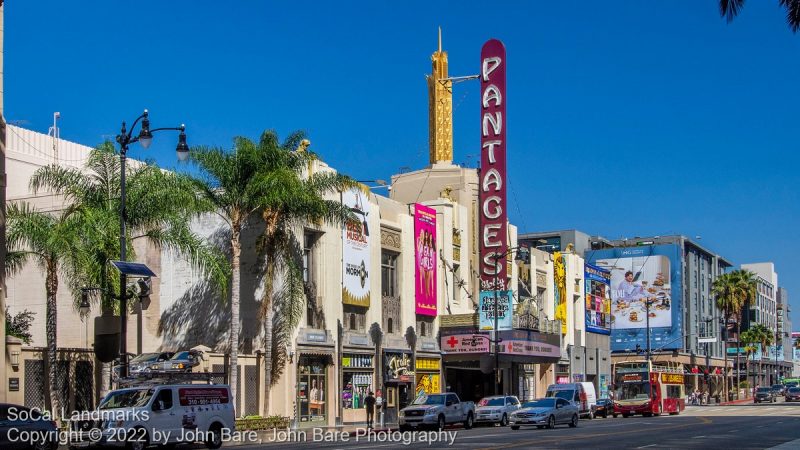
19,325
729,9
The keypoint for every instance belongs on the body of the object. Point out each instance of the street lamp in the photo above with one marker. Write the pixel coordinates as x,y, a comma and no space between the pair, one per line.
522,255
124,139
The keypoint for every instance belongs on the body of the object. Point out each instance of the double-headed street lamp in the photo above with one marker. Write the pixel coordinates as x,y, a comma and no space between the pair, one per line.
124,139
522,252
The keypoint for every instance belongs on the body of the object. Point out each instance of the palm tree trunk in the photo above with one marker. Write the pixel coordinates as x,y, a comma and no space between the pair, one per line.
51,287
738,362
267,315
236,248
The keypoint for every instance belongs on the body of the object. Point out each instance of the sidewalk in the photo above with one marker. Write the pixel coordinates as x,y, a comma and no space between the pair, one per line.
737,402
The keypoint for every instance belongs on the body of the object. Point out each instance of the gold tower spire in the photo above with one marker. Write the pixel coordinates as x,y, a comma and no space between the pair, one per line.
440,108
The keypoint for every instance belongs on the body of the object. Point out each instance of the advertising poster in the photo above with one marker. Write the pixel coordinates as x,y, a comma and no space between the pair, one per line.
355,251
426,258
504,310
560,291
427,384
641,277
598,299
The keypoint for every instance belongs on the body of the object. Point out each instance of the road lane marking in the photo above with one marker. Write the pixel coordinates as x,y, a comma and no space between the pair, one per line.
698,437
645,446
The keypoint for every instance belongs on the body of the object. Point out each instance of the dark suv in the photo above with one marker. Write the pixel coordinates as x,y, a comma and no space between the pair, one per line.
778,389
764,394
793,394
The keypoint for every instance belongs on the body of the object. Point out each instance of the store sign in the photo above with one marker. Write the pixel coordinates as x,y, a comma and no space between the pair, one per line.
350,361
428,384
465,343
672,378
560,291
13,384
486,310
355,250
493,205
598,299
399,365
634,377
426,259
428,364
562,379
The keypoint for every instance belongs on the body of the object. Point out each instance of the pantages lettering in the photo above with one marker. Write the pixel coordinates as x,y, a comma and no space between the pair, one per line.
493,211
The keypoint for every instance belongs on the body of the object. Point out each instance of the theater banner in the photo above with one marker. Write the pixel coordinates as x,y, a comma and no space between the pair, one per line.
355,251
425,260
492,190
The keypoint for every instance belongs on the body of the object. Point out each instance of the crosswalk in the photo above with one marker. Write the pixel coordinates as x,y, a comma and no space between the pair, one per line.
744,410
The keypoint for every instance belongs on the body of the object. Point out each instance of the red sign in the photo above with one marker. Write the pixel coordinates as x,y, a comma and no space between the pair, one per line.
493,205
465,343
202,396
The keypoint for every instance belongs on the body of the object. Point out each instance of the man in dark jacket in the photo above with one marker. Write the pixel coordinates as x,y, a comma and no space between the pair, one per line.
369,403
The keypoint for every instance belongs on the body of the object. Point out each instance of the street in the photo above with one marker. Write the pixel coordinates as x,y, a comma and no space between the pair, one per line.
735,427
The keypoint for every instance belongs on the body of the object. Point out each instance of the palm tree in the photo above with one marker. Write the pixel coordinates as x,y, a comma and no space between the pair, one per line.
291,194
764,337
730,9
51,241
748,339
160,205
724,291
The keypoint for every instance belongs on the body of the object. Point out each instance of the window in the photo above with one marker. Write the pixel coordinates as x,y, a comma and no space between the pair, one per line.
355,318
456,284
389,274
674,391
425,326
164,400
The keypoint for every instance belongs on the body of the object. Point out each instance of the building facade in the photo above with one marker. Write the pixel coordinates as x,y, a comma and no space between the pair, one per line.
764,310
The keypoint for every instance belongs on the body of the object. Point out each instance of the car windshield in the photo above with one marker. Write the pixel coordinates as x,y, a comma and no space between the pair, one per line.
567,395
144,357
777,386
127,398
794,390
181,355
429,400
498,401
634,391
540,403
763,389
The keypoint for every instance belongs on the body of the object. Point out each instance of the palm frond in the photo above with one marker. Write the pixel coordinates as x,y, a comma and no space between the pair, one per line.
729,9
792,13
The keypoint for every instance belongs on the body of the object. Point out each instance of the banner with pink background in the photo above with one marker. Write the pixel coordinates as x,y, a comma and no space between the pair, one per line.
425,259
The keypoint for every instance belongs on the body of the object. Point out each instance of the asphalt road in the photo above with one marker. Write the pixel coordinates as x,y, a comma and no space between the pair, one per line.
729,427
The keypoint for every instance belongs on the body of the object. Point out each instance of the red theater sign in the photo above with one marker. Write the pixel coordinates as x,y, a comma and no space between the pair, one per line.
493,210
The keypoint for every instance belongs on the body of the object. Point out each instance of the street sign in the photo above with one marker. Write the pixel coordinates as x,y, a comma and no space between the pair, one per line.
704,340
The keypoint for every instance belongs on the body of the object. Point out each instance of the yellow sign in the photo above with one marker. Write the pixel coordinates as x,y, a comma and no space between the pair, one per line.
428,364
428,384
672,378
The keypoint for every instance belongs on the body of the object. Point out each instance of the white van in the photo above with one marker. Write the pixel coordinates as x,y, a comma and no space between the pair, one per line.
581,394
138,417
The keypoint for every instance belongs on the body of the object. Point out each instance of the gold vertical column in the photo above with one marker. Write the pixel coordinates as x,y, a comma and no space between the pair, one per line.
440,108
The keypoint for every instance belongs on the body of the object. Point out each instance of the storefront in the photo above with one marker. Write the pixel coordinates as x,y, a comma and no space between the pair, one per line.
428,375
358,380
399,382
314,378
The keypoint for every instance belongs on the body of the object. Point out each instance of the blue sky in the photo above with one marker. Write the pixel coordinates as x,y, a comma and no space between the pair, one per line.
625,118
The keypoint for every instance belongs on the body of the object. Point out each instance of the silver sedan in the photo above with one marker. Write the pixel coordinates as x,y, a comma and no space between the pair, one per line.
496,409
545,412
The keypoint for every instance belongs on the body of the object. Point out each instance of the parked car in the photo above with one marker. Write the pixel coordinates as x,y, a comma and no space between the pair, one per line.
778,389
16,421
437,410
180,362
603,407
142,363
496,409
764,394
582,394
793,394
205,408
545,412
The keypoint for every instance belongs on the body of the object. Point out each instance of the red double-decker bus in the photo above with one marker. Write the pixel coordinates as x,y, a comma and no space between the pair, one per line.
647,388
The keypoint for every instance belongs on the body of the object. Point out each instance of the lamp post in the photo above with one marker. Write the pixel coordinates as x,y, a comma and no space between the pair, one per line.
125,139
520,257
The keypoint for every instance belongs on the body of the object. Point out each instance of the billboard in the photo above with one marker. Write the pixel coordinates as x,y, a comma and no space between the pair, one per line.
492,176
355,251
560,291
641,277
504,310
425,256
597,282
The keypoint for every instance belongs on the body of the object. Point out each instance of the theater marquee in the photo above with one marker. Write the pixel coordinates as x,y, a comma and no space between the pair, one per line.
493,213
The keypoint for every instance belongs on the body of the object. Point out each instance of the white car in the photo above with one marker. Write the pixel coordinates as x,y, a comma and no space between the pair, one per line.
496,409
545,412
138,417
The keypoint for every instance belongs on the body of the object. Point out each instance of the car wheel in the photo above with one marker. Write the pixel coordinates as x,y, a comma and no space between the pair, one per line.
605,415
214,440
660,409
468,422
574,422
440,423
614,415
540,426
625,415
504,420
591,415
138,440
551,422
515,427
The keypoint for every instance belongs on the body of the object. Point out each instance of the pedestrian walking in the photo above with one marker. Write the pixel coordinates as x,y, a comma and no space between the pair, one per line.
369,404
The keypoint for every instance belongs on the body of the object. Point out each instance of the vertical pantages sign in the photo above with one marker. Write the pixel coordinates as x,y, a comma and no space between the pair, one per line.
425,260
355,250
493,211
